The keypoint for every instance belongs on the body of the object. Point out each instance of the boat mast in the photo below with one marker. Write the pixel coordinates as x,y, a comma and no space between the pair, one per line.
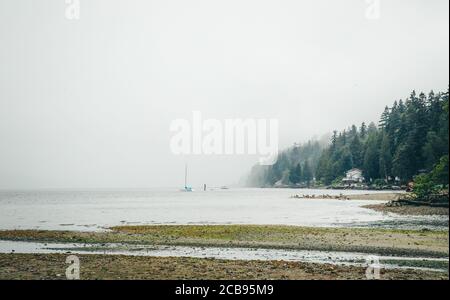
185,175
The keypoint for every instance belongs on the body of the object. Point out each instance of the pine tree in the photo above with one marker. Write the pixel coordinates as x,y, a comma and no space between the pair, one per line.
334,140
385,157
344,138
433,149
372,128
401,163
307,173
384,121
353,132
295,174
363,131
413,137
371,158
394,126
356,150
346,162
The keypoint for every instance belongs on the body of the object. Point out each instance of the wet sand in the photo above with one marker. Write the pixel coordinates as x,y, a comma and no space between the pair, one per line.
410,243
111,267
403,243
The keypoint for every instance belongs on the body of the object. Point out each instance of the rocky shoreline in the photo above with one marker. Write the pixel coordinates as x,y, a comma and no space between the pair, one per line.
393,204
410,210
372,196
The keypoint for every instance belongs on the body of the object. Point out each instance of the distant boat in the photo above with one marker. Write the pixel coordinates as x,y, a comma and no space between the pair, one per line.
186,187
224,187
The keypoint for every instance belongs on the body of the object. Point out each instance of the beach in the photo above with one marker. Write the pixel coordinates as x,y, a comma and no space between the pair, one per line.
121,251
116,236
110,267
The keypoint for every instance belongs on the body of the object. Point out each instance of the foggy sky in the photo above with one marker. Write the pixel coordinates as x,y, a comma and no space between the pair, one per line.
88,103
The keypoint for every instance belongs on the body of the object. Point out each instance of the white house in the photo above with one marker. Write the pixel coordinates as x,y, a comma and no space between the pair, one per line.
353,176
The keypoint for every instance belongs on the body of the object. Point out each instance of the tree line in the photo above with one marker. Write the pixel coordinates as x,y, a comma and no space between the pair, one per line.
411,138
295,165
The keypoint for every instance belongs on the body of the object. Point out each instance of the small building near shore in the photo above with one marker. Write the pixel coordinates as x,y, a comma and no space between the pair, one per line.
353,176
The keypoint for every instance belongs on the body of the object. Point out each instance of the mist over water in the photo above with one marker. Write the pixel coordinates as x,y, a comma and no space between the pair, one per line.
99,210
88,103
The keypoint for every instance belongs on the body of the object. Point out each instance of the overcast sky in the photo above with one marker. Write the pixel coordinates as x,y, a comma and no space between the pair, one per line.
88,103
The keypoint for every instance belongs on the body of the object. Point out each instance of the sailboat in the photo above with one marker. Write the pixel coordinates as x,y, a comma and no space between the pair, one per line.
186,187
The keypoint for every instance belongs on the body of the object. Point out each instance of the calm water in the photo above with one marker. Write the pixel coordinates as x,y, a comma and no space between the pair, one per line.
97,210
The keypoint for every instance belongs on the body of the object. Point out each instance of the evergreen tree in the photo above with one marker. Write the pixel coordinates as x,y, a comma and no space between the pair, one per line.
353,132
394,126
385,157
346,162
372,128
356,150
363,131
334,140
295,174
401,163
412,138
434,148
286,164
384,121
324,168
371,158
344,138
440,171
307,173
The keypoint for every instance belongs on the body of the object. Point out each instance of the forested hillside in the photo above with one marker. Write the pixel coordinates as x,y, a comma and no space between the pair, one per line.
410,138
294,165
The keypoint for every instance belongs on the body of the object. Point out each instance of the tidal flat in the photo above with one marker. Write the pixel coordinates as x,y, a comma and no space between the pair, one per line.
425,243
119,267
418,254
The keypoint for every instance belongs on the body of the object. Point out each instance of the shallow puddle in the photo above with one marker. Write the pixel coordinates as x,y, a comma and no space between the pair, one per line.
337,258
